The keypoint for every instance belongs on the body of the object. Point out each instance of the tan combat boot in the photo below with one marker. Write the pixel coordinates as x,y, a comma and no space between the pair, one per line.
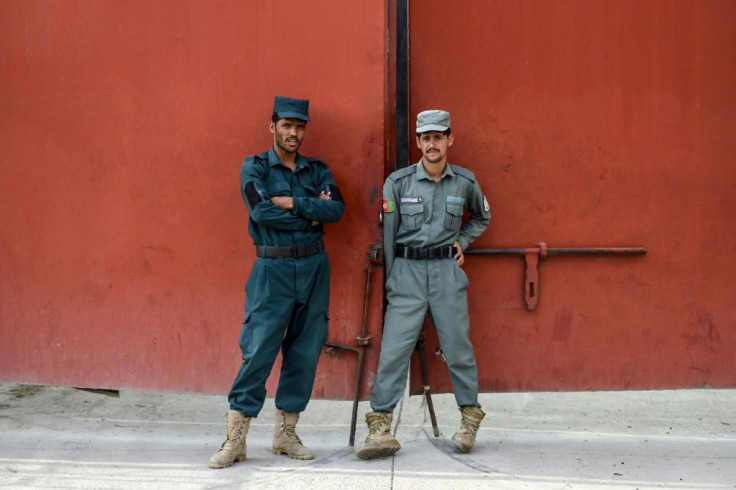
379,443
464,438
233,449
285,440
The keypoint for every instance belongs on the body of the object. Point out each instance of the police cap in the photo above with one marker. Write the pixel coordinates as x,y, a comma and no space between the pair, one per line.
434,120
291,108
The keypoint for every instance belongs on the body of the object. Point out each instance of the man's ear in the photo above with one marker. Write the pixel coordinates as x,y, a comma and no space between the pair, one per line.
418,145
450,139
272,128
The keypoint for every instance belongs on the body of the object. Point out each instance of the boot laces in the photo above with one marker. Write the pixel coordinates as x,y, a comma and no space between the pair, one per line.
290,432
377,425
233,435
468,428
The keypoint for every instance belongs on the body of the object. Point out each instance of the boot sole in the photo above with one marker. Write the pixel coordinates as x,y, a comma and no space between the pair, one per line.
461,447
376,452
220,466
301,458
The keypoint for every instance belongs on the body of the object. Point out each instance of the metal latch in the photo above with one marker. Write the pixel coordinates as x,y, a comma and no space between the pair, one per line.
533,255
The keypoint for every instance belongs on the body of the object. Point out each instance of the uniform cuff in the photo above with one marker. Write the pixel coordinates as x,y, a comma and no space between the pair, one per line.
295,209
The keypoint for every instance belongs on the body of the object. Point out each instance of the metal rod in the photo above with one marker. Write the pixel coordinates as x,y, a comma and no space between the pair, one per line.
402,84
340,346
425,383
559,251
497,251
361,349
597,250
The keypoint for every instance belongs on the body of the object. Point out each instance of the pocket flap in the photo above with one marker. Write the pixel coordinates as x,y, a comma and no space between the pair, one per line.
412,209
278,189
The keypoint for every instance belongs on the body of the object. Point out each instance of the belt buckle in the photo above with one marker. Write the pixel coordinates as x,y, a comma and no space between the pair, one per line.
423,253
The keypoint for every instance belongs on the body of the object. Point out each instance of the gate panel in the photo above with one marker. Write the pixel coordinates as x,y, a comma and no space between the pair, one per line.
592,124
123,124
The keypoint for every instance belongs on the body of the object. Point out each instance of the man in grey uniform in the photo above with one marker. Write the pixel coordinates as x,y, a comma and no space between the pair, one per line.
424,239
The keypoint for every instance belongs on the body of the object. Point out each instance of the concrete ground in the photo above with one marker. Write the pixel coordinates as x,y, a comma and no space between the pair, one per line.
55,437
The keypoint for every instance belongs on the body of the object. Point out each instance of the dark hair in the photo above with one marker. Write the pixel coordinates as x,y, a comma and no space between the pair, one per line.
446,132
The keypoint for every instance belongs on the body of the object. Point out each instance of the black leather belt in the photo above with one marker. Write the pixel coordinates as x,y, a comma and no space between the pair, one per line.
295,251
425,253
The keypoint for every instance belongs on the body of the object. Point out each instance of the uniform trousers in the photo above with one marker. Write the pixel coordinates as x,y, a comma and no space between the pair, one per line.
413,288
286,308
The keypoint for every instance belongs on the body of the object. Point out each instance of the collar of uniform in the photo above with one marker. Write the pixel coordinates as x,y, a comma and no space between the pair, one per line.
422,172
273,159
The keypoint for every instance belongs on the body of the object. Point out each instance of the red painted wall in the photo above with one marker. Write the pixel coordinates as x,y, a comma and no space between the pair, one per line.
123,238
123,124
593,124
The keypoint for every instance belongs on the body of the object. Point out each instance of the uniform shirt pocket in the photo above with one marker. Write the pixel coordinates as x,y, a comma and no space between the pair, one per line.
309,187
454,213
412,215
278,188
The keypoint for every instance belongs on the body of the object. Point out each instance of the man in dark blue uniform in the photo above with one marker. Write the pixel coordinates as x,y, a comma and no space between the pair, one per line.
289,199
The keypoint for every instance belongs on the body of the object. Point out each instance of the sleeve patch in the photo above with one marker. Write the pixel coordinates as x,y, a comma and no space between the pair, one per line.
335,193
388,206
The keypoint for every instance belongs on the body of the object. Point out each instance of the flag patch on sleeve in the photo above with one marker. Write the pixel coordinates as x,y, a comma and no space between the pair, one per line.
388,206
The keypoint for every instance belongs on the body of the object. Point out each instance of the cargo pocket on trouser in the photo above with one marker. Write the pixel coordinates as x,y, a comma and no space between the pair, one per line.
246,337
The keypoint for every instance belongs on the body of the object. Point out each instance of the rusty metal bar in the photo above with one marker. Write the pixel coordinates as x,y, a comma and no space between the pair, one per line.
425,380
559,251
534,255
363,340
331,346
597,251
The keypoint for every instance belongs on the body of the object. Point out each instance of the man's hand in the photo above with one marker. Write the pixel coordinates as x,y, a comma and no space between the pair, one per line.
325,196
287,202
459,256
284,202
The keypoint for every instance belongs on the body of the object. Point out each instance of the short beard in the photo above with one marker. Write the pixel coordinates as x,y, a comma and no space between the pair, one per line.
282,144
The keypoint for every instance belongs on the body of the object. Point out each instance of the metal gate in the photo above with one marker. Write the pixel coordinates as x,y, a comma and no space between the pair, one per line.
590,124
123,243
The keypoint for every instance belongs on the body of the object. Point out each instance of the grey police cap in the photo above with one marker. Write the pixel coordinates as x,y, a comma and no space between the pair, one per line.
291,108
434,120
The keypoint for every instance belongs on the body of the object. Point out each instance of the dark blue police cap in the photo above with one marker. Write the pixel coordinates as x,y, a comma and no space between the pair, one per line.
291,108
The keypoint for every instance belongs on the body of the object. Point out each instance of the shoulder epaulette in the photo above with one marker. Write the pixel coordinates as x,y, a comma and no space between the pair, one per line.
463,171
250,159
403,172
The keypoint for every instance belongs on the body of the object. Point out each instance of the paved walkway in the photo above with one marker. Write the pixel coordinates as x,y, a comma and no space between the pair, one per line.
54,437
